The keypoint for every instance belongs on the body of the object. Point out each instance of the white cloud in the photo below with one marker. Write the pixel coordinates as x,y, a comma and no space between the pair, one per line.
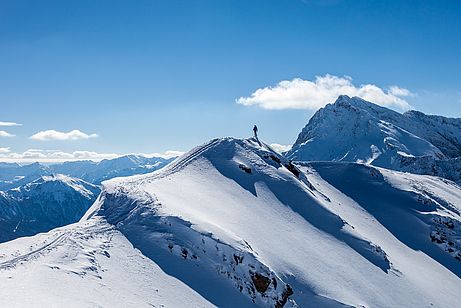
306,94
33,155
9,124
4,150
55,135
166,154
55,156
5,134
82,155
280,147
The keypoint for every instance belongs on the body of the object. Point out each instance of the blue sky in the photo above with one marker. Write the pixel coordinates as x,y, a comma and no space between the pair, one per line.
152,76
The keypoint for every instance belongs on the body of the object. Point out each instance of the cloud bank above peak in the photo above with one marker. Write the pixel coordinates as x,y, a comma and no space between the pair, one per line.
52,134
307,94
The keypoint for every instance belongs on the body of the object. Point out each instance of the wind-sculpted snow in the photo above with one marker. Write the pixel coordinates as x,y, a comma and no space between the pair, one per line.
89,264
216,270
234,224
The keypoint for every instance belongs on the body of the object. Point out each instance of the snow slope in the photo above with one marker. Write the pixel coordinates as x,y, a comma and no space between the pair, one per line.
86,265
355,130
233,223
44,204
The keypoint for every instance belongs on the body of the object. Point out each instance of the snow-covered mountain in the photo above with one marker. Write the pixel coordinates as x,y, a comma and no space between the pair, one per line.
45,203
13,175
96,172
234,224
355,130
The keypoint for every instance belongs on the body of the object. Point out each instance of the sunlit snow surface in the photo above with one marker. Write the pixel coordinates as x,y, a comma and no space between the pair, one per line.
234,224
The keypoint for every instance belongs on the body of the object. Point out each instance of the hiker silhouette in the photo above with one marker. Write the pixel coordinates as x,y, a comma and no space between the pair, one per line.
255,131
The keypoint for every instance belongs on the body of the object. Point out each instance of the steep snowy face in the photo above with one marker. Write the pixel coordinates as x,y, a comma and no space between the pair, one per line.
44,204
354,130
423,212
239,223
213,260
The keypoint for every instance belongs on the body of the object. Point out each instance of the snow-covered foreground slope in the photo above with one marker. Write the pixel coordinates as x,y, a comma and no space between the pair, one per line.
355,130
86,265
44,204
232,223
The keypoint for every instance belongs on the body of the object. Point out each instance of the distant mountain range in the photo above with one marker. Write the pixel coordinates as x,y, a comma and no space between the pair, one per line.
37,198
13,175
44,204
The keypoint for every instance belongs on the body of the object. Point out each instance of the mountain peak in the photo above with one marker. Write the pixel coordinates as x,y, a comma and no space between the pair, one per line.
59,182
355,130
361,104
344,99
219,148
228,154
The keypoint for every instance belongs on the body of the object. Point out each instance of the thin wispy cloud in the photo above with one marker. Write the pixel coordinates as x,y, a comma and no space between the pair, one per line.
5,134
306,94
4,150
9,124
56,135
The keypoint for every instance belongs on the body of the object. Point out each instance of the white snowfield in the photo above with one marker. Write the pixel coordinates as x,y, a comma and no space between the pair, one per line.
234,224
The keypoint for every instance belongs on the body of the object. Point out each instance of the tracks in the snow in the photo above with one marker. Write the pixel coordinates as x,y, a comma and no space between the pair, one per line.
36,252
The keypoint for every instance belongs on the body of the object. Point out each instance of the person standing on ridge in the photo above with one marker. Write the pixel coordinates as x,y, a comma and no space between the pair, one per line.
255,131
